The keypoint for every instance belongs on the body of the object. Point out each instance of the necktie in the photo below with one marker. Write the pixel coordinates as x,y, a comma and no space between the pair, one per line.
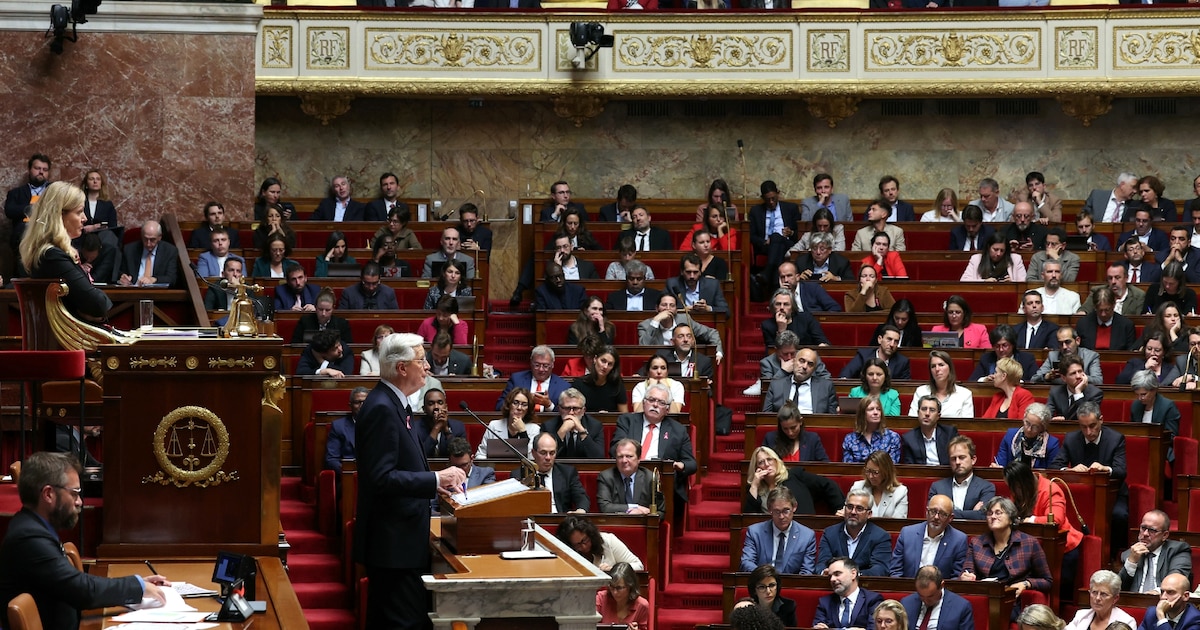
629,498
845,622
641,242
770,224
1149,575
972,247
148,263
925,618
779,550
1029,339
647,440
1134,279
539,389
1116,213
796,394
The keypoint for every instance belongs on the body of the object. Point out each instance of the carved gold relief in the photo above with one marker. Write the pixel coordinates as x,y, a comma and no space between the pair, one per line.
273,388
1151,48
578,107
325,107
1086,107
269,363
829,51
418,49
221,362
191,363
277,47
833,109
328,48
153,362
1075,48
191,444
956,50
762,51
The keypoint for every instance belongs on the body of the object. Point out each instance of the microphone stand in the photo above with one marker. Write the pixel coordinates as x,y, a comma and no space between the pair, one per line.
526,463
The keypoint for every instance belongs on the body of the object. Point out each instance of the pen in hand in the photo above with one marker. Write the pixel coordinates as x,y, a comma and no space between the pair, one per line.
151,567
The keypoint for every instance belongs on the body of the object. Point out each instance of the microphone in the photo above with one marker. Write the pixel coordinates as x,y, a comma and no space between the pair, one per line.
745,189
526,463
201,278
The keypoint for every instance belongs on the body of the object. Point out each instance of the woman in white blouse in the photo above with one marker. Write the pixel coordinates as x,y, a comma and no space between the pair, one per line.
957,401
945,208
1104,590
516,421
656,374
889,497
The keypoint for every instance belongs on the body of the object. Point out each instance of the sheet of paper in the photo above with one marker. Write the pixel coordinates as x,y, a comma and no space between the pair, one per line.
174,603
158,615
154,626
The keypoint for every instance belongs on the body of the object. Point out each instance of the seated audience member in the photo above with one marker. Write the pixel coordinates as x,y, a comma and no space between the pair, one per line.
326,355
889,192
460,455
1168,322
1152,407
973,233
889,613
636,296
945,208
1108,206
956,318
1152,238
560,201
928,444
1023,566
368,364
604,389
656,371
1140,270
217,298
1104,328
1004,339
273,225
201,238
968,504
902,315
445,319
766,472
1056,249
339,444
1186,363
1146,564
848,601
934,542
822,223
621,602
321,318
995,208
748,615
1065,399
556,294
870,296
781,542
1171,288
450,282
605,550
810,394
389,199
212,261
150,260
699,293
791,441
765,592
773,230
887,351
779,364
1151,190
876,381
786,316
397,225
438,429
1055,299
1038,616
821,261
98,259
1084,226
448,251
1067,343
517,423
627,251
371,294
1157,359
618,211
444,360
665,329
886,262
473,236
1035,332
383,252
877,221
269,197
889,497
1031,443
716,224
1104,591
824,197
1039,500
276,256
718,195
931,600
673,443
579,435
810,296
627,487
574,268
1096,448
711,265
647,237
1024,234
1174,607
339,205
996,263
296,294
538,379
591,322
1047,207
1010,399
567,494
336,251
870,433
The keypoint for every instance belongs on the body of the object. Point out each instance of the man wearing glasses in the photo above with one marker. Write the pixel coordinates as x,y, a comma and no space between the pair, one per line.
1153,557
150,260
872,545
933,542
560,202
32,559
661,437
579,435
781,542
539,379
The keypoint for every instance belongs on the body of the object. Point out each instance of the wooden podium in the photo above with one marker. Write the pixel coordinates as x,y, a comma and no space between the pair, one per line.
490,526
192,447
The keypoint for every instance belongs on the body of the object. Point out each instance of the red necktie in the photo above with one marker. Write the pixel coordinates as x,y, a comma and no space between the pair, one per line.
1135,275
925,618
540,389
647,440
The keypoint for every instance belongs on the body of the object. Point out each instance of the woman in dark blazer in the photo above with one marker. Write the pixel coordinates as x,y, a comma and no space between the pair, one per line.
99,210
1005,553
783,607
46,249
1162,410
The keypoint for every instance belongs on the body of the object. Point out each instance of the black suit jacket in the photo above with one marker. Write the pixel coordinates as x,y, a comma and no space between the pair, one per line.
106,267
201,237
32,561
703,368
811,449
1111,452
987,364
571,299
376,210
308,322
790,213
547,214
912,445
440,447
904,211
608,212
610,491
106,212
897,365
1122,338
958,236
674,444
14,208
806,327
1061,405
590,447
83,298
619,300
1046,335
660,239
710,292
838,265
326,210
166,262
568,489
873,553
458,364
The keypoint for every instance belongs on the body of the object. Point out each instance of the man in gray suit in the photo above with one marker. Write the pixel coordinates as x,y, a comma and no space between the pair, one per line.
660,329
450,246
824,197
1130,299
1108,206
811,395
627,487
1154,550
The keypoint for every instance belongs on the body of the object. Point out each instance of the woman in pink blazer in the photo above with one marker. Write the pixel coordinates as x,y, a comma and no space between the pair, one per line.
996,263
956,317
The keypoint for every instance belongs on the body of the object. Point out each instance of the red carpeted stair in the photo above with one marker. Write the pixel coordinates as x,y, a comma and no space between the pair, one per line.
314,566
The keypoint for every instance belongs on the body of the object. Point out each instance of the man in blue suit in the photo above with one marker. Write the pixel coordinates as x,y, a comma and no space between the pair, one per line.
889,191
888,351
1143,230
339,444
395,486
539,379
873,551
809,296
698,292
973,234
962,467
774,226
1174,611
781,542
298,294
848,606
932,606
932,542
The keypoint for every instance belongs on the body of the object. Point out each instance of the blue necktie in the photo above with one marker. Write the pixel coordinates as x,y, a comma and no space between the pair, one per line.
845,623
629,498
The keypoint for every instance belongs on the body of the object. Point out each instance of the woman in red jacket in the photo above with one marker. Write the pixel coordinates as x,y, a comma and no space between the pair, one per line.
886,263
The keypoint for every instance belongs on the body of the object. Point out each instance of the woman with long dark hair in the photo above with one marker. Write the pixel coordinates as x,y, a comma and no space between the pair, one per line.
903,315
996,263
269,197
603,387
336,251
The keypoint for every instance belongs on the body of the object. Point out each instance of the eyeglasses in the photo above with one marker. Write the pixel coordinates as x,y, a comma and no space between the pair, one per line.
518,403
1150,530
783,512
871,472
571,409
850,507
77,492
767,587
654,401
934,513
543,366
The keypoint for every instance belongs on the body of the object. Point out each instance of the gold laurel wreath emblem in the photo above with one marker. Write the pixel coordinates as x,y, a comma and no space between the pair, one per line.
191,469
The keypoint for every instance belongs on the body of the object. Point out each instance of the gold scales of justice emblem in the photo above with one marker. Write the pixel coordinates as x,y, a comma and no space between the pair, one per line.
191,444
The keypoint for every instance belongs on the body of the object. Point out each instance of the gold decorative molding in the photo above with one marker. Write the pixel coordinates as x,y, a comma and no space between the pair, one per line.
578,107
477,49
191,363
269,363
277,47
1086,107
958,49
325,107
1076,48
221,362
153,362
759,51
273,389
328,48
1147,47
833,109
829,50
191,444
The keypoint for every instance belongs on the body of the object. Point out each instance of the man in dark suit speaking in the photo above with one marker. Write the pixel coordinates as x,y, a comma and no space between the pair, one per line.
394,489
661,437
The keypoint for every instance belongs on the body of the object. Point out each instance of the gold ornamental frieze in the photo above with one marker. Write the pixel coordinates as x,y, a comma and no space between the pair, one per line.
651,51
474,49
1147,48
222,362
1076,48
277,47
328,48
953,49
151,362
829,50
190,445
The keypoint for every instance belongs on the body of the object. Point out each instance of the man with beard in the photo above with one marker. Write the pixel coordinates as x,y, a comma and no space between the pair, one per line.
31,556
848,606
1055,299
25,195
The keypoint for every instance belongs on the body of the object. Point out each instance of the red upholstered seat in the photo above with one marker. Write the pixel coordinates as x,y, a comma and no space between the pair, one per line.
42,365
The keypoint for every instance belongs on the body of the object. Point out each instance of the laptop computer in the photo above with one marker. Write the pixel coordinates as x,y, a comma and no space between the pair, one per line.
496,450
1077,243
344,270
941,340
848,405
